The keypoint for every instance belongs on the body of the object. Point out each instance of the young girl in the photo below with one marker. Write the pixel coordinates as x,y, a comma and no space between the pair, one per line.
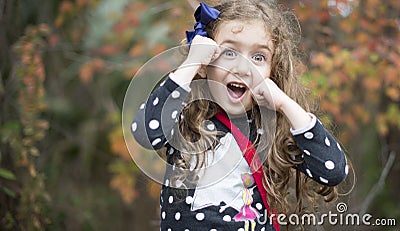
233,122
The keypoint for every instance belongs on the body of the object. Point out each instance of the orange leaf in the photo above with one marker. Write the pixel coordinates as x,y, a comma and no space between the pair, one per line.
54,40
391,75
157,49
131,71
108,50
154,189
382,125
86,73
98,64
395,59
124,184
346,26
82,2
372,84
66,6
137,50
120,27
393,93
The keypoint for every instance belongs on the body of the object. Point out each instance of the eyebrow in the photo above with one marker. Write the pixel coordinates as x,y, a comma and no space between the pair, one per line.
263,46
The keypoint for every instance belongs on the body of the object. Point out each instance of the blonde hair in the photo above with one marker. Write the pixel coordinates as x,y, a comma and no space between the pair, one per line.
278,167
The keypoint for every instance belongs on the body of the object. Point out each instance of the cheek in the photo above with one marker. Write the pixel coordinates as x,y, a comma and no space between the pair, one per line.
261,74
216,72
216,90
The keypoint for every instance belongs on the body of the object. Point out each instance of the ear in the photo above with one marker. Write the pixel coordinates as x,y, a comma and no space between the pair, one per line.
202,71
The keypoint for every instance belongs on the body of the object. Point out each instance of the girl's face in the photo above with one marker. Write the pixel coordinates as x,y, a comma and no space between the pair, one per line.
245,62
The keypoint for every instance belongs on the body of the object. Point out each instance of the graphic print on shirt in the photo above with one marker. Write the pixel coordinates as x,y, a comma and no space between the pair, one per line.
227,165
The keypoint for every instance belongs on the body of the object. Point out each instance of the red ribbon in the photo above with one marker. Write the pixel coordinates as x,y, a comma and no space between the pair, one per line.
252,160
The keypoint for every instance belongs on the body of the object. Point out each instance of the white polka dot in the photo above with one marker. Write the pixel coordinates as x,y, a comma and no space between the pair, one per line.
167,182
338,146
213,230
174,114
307,152
171,151
327,142
260,131
259,206
262,229
156,141
309,135
175,94
227,218
163,215
169,230
155,102
200,216
241,229
134,127
172,132
309,172
154,124
323,180
142,106
346,169
186,229
177,216
162,84
329,165
210,127
171,199
189,200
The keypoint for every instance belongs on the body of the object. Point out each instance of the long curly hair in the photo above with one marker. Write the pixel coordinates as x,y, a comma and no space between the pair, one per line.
278,146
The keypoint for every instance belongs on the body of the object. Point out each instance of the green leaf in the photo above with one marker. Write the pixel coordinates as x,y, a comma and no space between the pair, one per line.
6,174
8,191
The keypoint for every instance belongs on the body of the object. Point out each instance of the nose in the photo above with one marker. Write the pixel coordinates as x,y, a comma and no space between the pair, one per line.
242,67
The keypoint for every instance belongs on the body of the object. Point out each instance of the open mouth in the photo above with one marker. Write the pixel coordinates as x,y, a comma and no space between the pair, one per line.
236,90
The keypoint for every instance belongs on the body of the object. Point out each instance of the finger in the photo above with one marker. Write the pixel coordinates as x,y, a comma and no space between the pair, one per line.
217,53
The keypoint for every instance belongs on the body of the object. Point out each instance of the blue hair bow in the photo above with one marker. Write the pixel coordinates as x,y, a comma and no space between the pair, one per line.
204,14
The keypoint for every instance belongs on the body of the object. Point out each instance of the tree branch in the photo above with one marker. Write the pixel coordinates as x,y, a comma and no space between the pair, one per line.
379,185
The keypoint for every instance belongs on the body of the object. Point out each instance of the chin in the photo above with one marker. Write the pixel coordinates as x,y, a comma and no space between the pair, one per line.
236,111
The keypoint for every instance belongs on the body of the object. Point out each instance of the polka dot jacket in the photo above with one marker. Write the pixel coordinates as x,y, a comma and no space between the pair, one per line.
219,204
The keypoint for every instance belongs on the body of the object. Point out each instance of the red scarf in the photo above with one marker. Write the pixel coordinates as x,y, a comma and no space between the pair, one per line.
253,160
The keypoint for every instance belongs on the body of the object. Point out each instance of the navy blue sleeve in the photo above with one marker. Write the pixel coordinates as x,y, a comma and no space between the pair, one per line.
154,123
324,159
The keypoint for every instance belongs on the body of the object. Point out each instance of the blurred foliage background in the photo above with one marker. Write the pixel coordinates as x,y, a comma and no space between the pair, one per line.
65,66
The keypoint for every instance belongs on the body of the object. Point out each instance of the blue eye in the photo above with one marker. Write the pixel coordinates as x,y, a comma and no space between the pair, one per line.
259,58
230,53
